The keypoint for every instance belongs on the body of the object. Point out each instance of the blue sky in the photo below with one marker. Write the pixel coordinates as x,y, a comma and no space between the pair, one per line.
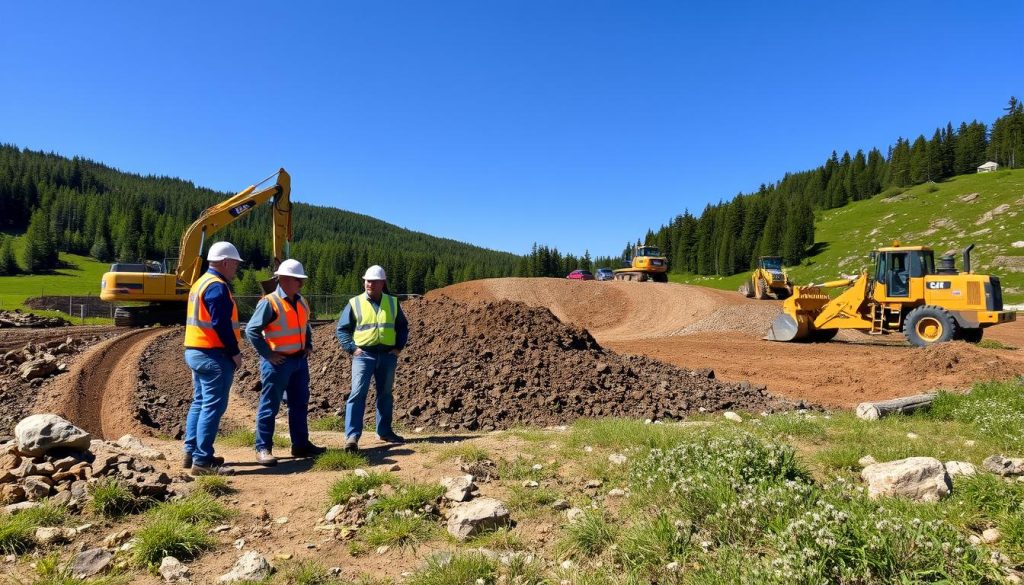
576,124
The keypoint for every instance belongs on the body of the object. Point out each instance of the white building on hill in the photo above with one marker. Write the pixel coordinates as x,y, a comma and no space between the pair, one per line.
989,167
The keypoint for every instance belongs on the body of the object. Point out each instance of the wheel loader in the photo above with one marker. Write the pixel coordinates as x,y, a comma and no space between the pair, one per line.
647,263
905,293
768,278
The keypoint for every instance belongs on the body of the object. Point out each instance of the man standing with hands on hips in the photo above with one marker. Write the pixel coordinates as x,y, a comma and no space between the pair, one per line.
211,350
373,330
280,332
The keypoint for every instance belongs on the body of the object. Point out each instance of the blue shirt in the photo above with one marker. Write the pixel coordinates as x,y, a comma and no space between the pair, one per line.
218,302
347,326
264,315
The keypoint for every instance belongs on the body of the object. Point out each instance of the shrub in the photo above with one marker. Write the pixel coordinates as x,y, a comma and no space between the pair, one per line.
328,423
168,535
338,460
350,485
398,529
110,498
460,569
214,485
588,536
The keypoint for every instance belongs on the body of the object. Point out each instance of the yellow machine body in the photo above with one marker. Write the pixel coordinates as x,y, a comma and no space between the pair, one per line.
769,278
904,294
647,263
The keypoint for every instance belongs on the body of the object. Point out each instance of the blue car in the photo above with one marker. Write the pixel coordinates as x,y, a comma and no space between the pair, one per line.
605,274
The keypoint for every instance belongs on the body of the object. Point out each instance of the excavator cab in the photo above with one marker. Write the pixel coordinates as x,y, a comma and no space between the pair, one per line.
899,273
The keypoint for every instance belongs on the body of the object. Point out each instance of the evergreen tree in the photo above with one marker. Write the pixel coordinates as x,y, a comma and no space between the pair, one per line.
8,263
40,253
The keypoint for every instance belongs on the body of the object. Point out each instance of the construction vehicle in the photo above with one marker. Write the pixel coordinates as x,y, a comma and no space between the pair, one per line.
647,263
768,278
905,293
164,289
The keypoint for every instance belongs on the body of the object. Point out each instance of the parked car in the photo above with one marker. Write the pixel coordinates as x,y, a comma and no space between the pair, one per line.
605,274
580,275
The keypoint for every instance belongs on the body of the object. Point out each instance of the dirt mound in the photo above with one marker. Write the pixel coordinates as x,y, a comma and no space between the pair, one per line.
15,318
482,366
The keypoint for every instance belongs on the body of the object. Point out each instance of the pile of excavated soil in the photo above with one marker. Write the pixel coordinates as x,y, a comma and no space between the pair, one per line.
476,367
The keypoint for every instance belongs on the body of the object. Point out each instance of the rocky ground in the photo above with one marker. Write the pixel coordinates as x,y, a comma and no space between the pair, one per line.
15,318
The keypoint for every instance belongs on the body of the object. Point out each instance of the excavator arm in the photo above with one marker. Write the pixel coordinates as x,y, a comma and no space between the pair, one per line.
219,216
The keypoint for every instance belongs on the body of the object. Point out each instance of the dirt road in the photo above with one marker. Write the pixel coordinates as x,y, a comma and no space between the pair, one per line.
696,327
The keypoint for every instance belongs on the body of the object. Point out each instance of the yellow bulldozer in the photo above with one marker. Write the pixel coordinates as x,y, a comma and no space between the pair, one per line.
164,288
647,263
905,293
768,278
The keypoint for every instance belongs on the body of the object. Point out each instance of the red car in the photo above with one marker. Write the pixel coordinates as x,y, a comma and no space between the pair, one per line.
580,275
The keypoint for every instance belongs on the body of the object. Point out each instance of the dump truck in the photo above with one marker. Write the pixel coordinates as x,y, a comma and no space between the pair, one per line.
905,293
646,263
768,278
158,291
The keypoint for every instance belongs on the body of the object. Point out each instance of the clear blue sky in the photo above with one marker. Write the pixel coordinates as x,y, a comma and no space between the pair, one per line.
578,124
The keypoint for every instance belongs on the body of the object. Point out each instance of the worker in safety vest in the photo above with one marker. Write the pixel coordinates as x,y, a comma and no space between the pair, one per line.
280,332
373,330
211,351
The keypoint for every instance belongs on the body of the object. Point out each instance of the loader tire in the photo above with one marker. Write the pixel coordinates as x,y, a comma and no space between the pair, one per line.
659,277
783,293
747,290
761,289
970,334
927,325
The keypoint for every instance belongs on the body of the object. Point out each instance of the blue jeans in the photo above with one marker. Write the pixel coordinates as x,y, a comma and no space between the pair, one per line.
381,368
291,377
212,373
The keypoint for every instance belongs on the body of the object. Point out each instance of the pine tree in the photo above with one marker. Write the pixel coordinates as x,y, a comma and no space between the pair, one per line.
8,263
40,253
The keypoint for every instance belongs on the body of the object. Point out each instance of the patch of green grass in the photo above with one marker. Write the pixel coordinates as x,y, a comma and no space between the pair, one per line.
51,571
465,452
168,535
793,425
198,507
651,544
17,531
994,410
112,499
994,344
339,460
308,572
523,499
247,438
588,536
464,568
500,539
350,485
621,434
398,530
531,434
411,496
214,485
328,423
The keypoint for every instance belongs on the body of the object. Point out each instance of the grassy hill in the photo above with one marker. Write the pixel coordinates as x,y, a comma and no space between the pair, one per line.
985,209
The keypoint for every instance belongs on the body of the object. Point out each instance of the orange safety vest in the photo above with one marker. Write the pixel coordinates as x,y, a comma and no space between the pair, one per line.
199,332
287,333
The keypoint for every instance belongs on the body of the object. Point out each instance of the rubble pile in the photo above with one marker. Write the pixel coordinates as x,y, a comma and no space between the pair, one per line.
16,318
36,362
52,458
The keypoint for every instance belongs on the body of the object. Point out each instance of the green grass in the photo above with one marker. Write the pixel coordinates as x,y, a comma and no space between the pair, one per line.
198,507
412,496
179,529
16,531
351,485
847,234
81,278
339,460
328,423
214,485
110,498
247,438
465,452
398,530
588,536
460,569
50,570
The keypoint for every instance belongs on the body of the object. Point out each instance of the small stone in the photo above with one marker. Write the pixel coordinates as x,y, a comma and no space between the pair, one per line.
912,436
954,468
116,539
90,562
530,484
588,449
866,460
672,567
251,566
970,443
220,528
616,493
617,459
572,514
990,536
566,564
47,535
418,430
974,539
593,483
281,520
172,570
383,549
283,556
730,415
394,467
239,543
360,472
560,505
333,513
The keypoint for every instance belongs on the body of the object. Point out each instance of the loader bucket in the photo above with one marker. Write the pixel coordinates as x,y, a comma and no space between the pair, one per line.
787,328
796,321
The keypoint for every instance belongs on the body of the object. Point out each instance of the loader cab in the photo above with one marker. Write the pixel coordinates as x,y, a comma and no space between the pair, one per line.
900,272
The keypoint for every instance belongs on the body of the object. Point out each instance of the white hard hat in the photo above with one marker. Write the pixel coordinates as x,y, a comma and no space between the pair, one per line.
375,273
223,251
291,268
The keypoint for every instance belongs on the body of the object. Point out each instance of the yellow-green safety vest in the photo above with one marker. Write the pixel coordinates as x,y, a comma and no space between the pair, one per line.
374,326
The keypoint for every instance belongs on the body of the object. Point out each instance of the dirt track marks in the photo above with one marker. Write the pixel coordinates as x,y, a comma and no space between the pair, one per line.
99,392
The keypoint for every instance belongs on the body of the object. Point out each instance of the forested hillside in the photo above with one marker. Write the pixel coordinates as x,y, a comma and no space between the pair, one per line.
779,218
83,207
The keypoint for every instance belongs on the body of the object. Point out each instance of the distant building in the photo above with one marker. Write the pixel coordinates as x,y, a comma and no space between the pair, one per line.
989,167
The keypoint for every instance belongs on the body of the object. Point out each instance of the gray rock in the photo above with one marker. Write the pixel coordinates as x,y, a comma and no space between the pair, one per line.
46,535
866,460
560,505
917,478
1003,466
38,368
991,535
20,506
250,566
172,570
35,487
333,513
458,488
40,433
955,468
478,516
90,562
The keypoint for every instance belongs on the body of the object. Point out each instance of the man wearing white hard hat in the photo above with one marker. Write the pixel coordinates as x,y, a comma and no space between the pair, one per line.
212,334
280,332
373,330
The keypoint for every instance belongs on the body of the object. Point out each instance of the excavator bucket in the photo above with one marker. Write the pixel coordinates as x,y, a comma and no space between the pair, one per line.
796,321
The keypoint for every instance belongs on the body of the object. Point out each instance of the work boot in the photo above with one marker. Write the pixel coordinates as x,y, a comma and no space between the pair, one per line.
391,438
186,461
265,458
309,450
352,445
200,470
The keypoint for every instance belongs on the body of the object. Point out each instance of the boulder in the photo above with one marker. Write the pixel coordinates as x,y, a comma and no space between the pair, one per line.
478,516
252,566
40,433
458,488
955,468
1004,466
917,478
90,562
38,368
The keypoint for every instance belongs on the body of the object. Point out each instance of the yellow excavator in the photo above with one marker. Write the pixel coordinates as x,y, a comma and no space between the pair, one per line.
905,293
165,292
768,278
647,263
